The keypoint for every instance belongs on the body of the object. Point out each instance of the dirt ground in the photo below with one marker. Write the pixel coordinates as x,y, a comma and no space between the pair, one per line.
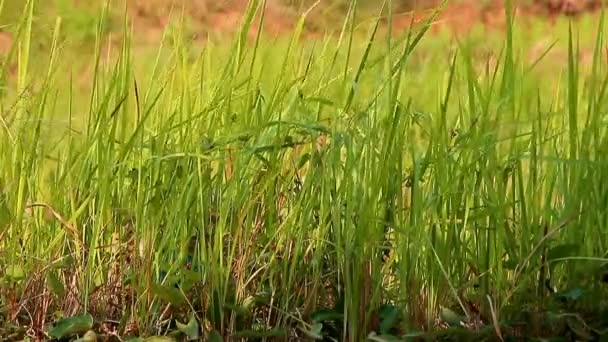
205,17
150,17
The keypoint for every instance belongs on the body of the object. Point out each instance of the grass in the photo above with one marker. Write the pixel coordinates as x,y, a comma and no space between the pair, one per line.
343,189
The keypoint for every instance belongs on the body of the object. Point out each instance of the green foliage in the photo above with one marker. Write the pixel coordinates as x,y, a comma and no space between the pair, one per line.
191,329
66,327
81,21
55,285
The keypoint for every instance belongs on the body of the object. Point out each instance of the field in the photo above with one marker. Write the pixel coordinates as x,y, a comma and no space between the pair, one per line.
349,174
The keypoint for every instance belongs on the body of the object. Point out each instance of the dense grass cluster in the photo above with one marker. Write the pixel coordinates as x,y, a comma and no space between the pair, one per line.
303,189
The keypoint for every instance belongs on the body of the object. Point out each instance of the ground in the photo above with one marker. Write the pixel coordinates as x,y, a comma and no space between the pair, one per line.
150,18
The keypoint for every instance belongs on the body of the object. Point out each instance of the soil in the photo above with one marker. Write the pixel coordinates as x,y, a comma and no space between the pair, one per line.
150,17
207,18
6,41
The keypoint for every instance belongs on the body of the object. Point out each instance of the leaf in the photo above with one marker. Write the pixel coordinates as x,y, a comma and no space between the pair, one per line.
99,278
55,285
214,336
89,336
5,213
159,339
389,316
321,100
563,251
168,293
191,329
303,160
214,311
510,264
64,263
249,334
15,273
247,307
451,317
572,294
326,315
249,304
382,338
556,254
71,326
315,332
190,278
413,335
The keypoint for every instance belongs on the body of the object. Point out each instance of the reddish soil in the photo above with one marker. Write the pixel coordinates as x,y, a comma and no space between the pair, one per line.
459,17
150,17
6,41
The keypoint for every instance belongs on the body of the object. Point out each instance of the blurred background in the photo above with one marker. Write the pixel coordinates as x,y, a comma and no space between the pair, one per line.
213,18
216,21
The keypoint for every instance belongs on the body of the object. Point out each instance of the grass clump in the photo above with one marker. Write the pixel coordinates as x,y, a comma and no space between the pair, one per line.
292,189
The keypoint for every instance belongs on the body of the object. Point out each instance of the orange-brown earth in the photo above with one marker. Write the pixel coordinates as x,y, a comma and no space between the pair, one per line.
215,17
150,17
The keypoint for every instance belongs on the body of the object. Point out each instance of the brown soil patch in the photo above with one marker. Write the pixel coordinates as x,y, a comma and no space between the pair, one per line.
277,19
151,17
459,17
6,41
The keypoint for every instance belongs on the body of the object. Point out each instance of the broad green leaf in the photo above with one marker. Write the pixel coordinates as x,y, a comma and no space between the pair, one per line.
65,262
5,213
238,310
510,264
89,336
556,254
249,303
168,293
159,339
255,334
99,278
71,326
14,273
326,315
563,251
191,329
321,100
190,278
451,317
572,294
214,311
413,336
214,336
54,284
315,332
389,316
247,307
382,338
303,160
